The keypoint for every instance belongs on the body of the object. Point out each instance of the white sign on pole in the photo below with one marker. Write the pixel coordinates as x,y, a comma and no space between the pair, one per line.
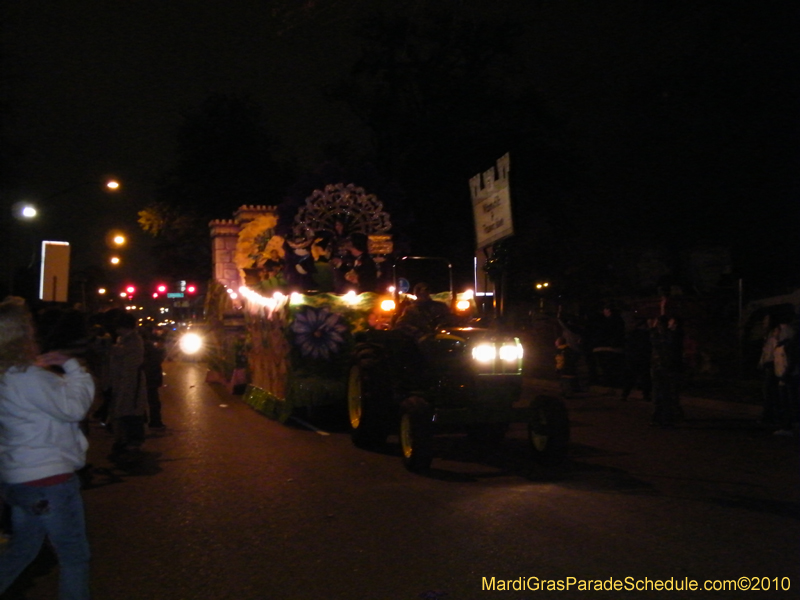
54,277
491,204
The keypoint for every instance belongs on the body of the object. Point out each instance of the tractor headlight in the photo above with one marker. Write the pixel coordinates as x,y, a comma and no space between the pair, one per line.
498,357
484,353
510,352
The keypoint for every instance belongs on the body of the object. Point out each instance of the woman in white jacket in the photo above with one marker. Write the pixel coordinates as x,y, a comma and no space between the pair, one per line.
41,447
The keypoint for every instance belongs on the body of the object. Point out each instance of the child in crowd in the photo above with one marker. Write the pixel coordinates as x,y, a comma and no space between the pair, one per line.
566,367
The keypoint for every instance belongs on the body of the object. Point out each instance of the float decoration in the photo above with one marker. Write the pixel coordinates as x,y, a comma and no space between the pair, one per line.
299,341
348,205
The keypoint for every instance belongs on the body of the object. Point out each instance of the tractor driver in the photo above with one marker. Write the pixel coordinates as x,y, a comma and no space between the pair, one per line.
424,314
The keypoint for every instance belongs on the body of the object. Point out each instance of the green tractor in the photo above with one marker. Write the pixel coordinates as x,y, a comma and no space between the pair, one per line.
431,370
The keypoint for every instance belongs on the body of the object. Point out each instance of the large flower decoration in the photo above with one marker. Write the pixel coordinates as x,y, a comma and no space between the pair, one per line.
258,242
318,332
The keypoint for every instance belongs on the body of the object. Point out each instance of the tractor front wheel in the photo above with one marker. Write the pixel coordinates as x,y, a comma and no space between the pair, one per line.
367,407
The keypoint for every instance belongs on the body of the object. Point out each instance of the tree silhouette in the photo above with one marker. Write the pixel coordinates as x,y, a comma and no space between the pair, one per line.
444,96
225,159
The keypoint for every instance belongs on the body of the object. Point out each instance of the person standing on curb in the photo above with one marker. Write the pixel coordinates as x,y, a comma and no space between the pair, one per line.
128,387
638,353
566,368
41,448
607,338
769,386
666,371
785,363
153,371
572,332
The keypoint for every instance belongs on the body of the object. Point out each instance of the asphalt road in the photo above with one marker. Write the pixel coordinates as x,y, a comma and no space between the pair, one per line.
228,504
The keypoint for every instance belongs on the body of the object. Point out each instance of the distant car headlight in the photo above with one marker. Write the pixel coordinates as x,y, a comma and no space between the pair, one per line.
484,353
191,343
463,306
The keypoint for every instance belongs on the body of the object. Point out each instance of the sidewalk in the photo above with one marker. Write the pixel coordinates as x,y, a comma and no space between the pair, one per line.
735,408
729,393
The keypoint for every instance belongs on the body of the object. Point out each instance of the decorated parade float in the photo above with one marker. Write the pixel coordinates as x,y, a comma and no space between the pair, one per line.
286,302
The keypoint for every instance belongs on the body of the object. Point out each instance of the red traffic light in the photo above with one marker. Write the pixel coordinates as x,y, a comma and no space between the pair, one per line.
191,289
130,289
161,288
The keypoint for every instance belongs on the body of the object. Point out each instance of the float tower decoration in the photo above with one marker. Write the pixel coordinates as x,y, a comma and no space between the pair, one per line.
226,243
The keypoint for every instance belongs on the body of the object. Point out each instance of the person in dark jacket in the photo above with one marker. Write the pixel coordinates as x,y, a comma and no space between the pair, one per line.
128,407
786,371
636,372
573,332
154,355
424,314
666,370
363,271
607,338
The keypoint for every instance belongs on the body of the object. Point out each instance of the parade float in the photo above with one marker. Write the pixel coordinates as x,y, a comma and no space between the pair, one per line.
283,310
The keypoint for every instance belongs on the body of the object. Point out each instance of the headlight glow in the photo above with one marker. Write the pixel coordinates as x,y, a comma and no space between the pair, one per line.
510,352
191,343
462,305
484,353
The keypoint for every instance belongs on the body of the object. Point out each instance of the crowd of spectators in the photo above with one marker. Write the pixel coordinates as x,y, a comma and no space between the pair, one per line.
654,355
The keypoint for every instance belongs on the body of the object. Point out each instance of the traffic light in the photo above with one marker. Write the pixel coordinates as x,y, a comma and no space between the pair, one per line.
191,289
161,288
130,290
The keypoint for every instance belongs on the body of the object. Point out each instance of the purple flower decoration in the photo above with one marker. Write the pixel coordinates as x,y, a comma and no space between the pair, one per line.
318,333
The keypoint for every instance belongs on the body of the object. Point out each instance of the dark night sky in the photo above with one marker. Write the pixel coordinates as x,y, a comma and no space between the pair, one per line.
682,108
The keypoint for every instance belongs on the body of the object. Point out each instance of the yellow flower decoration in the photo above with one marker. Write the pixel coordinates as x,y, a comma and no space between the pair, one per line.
274,249
257,242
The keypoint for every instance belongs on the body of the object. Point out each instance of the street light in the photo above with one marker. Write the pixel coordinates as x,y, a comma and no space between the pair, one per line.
106,184
115,238
24,211
16,243
110,184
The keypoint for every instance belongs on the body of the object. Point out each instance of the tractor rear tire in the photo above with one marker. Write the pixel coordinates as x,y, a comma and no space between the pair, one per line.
548,430
416,434
368,398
